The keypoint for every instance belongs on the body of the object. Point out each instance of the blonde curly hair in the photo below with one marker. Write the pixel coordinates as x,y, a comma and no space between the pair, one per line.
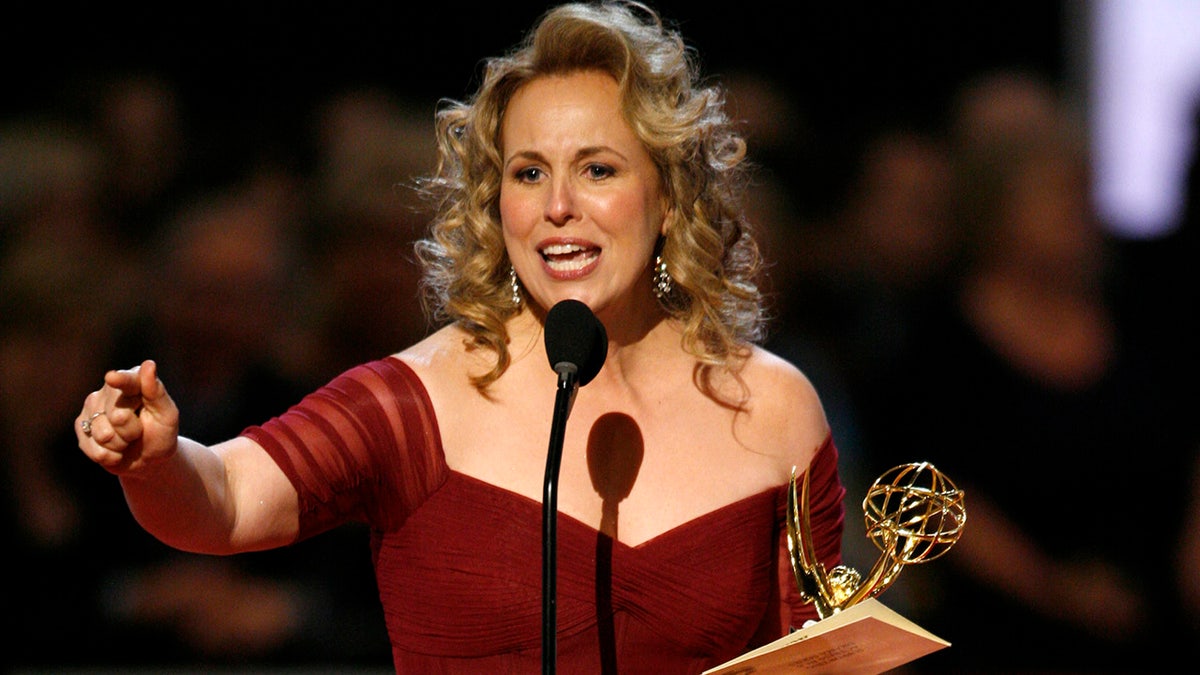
712,257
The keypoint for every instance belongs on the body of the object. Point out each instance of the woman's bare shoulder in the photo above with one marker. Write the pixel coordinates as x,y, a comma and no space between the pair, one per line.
444,352
440,348
785,404
765,372
445,362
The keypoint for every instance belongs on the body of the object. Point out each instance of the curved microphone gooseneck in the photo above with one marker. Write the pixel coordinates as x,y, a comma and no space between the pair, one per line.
576,344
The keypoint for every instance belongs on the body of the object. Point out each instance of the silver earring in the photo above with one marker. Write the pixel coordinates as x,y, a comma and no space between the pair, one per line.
516,286
663,284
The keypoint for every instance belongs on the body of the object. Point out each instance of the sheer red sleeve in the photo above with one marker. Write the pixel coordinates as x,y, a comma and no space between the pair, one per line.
364,447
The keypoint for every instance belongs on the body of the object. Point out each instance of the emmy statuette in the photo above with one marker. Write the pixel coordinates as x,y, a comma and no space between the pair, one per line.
913,514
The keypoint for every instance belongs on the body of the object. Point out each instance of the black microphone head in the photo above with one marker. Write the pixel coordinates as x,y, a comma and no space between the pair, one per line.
574,335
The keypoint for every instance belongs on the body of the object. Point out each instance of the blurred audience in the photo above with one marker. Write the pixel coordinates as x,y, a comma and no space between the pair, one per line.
80,193
370,146
50,326
892,231
897,241
1028,390
141,128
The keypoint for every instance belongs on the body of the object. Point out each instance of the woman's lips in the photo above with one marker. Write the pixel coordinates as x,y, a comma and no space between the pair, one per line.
570,260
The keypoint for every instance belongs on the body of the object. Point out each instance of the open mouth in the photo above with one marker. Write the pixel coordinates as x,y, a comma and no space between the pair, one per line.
569,257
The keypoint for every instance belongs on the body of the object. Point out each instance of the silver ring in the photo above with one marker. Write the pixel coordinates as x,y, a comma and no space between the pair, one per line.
86,425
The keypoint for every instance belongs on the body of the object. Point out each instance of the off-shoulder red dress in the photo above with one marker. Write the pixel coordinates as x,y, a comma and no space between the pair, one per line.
458,561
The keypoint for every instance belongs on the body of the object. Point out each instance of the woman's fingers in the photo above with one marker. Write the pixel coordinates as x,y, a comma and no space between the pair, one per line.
109,425
130,421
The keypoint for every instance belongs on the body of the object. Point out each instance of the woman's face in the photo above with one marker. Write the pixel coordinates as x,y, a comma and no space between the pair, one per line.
580,199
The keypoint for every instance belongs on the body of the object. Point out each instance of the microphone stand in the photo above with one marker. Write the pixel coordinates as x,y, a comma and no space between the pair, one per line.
564,398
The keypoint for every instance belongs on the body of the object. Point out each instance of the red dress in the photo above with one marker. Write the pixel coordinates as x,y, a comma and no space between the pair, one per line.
458,561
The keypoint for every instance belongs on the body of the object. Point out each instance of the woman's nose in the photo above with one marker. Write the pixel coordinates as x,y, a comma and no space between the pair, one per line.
560,202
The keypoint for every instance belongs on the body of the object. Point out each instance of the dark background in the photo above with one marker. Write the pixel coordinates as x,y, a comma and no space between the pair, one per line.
256,65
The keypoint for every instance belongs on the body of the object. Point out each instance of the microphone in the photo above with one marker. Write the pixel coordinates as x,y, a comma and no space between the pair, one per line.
576,345
576,341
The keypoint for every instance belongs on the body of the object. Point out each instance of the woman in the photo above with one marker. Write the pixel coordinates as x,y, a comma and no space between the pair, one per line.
588,166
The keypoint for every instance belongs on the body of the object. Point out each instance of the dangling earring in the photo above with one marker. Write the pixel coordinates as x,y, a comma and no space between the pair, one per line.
663,284
516,286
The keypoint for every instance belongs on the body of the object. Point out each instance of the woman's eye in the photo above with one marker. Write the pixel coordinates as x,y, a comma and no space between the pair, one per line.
597,171
529,175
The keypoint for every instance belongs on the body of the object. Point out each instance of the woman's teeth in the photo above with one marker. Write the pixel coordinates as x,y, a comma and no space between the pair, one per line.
568,257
